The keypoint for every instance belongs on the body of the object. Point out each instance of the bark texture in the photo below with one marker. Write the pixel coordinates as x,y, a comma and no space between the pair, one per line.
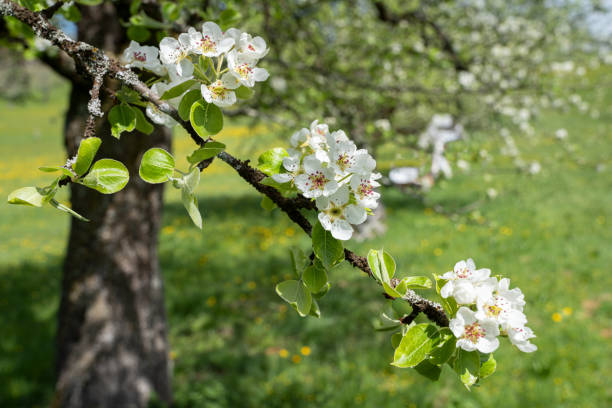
112,348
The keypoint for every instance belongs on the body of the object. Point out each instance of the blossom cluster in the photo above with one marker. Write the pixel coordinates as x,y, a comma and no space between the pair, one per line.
201,54
328,167
487,308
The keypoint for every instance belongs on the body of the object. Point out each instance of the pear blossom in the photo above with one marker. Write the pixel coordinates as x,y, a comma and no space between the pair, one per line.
137,56
243,68
342,159
291,163
176,52
317,180
363,188
337,214
467,284
251,47
363,163
473,333
153,112
221,91
210,42
504,306
519,336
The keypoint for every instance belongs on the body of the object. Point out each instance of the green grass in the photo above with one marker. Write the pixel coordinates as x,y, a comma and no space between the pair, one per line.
235,343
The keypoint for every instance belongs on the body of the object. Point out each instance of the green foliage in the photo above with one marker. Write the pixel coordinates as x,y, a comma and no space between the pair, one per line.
106,176
296,294
122,119
416,344
327,249
179,89
156,166
206,118
27,196
210,149
184,108
467,366
85,155
270,161
142,123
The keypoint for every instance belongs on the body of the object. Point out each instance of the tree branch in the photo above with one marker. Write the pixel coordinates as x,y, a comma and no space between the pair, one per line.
96,64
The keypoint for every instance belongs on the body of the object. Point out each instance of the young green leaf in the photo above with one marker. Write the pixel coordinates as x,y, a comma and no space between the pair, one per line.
142,124
391,291
314,278
401,308
191,180
27,196
374,264
415,345
242,92
156,166
328,249
49,169
270,161
122,119
416,282
87,151
488,367
267,204
426,369
179,89
186,101
210,149
106,176
314,309
449,304
299,261
69,210
191,205
387,265
206,118
445,347
467,366
296,294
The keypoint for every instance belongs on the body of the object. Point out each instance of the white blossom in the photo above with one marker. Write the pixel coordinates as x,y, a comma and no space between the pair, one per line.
137,56
474,334
316,180
519,336
176,52
467,284
210,42
337,214
243,68
221,91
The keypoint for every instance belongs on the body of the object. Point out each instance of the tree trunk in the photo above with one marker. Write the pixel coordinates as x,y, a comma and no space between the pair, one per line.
112,348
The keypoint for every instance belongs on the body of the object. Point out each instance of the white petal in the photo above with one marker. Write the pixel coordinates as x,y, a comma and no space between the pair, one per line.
325,221
260,74
486,345
282,177
341,230
467,315
355,214
466,345
447,289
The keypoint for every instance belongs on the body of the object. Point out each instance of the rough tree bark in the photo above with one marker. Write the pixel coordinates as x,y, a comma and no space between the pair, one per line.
112,348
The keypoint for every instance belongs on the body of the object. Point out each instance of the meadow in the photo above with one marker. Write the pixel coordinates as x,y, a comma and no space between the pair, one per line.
235,343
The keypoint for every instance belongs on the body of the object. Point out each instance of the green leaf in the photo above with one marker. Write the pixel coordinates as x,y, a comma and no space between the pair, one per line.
396,339
106,176
142,124
138,33
314,278
90,2
467,365
314,309
267,204
415,345
391,291
186,101
270,161
401,308
426,369
170,11
445,347
143,20
87,151
210,149
71,13
206,118
286,189
191,180
323,291
49,169
374,264
387,265
449,303
157,166
328,249
191,205
299,261
179,89
122,119
69,210
296,294
488,367
416,282
27,196
242,92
